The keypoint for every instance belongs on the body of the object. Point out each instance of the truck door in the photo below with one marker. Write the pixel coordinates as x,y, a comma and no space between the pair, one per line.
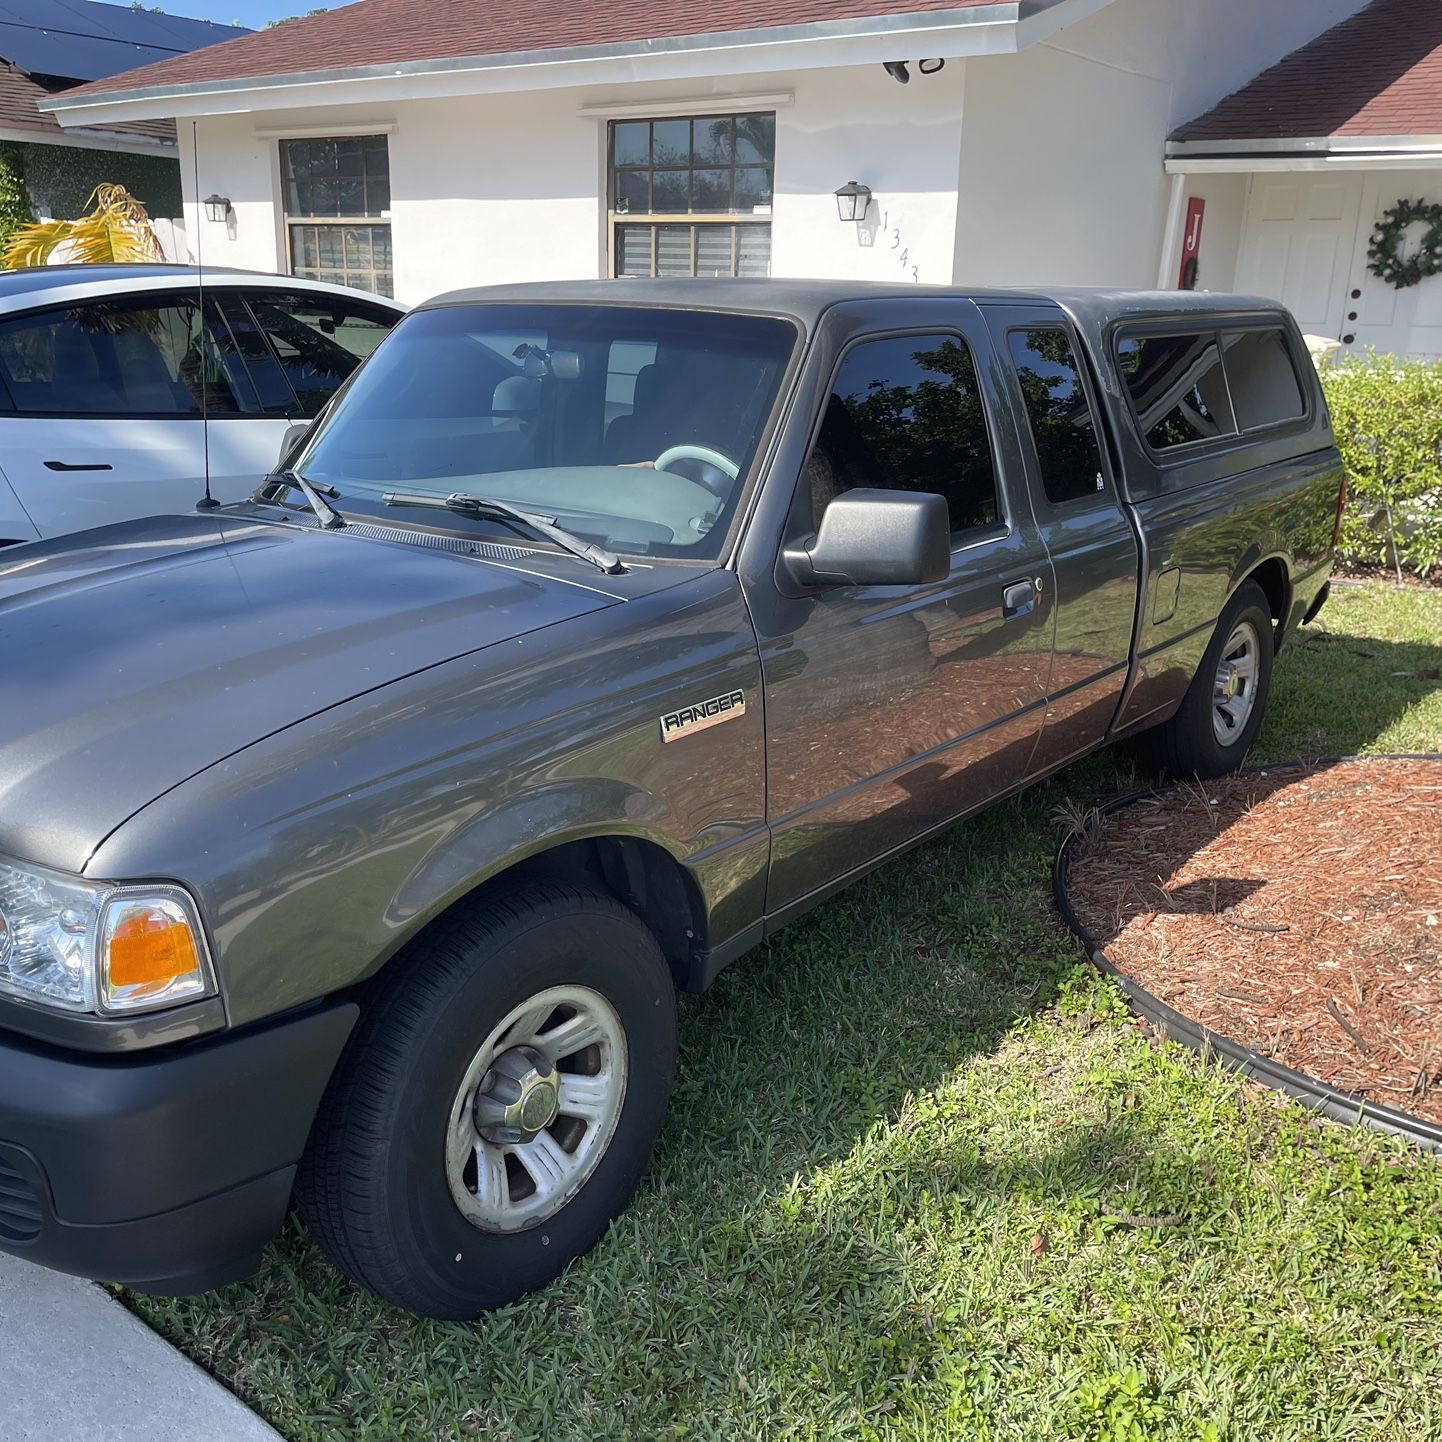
1091,542
890,710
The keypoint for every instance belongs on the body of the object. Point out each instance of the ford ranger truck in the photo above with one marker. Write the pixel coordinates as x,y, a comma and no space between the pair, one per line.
356,838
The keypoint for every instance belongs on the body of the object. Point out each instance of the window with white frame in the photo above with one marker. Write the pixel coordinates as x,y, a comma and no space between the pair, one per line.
337,210
691,196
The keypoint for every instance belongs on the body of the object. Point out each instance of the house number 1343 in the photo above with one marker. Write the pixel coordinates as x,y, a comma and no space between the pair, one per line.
899,248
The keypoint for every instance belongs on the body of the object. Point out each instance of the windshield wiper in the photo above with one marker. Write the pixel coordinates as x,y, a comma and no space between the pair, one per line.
325,513
486,506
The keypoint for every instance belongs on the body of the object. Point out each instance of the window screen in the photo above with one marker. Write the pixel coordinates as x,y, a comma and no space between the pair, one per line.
906,414
1061,420
1262,378
1178,388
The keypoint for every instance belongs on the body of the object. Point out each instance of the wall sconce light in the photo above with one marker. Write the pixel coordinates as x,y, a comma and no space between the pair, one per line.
217,207
852,202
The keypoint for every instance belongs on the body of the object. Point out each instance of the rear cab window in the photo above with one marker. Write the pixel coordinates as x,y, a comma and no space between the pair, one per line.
1063,428
1213,383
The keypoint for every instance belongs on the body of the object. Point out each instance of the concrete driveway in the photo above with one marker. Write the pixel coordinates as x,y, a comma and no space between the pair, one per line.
75,1364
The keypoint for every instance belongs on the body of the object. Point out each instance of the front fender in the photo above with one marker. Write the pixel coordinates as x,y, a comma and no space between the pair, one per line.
319,851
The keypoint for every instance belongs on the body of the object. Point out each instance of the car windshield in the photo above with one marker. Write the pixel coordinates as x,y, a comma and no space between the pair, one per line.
631,426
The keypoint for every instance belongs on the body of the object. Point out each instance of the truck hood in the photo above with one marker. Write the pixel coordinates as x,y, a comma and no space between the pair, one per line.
134,656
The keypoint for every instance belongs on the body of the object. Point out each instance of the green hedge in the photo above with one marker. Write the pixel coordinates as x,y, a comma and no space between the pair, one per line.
1387,413
15,209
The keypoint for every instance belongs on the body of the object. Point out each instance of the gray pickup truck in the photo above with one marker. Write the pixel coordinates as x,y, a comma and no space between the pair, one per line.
356,838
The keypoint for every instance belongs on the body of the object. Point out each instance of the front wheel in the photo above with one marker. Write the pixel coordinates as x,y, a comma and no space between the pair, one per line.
1219,717
497,1105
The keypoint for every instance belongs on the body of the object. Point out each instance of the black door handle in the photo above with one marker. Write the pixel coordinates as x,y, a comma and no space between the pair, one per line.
67,466
1018,598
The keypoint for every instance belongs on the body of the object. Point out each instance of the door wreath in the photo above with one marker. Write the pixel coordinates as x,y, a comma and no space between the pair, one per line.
1385,258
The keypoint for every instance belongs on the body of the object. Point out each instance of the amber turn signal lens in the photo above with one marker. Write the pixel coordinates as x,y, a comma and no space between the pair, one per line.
150,946
152,953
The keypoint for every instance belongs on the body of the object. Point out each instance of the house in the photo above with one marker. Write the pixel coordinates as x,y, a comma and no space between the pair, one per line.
1301,165
412,146
50,46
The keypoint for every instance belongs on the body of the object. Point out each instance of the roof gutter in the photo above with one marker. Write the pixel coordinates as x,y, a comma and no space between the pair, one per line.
1318,152
998,28
88,139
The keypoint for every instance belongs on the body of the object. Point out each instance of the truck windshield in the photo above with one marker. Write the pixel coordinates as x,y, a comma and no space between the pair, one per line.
631,426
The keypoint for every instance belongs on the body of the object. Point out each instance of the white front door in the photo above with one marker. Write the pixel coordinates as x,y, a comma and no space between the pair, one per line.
1298,245
1406,321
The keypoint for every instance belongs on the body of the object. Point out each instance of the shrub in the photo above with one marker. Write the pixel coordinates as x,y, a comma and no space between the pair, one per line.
1387,413
15,208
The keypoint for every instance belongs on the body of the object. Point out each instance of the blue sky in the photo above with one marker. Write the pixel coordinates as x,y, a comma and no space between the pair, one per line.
252,13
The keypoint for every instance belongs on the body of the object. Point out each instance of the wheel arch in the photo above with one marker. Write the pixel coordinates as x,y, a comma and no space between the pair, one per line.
1273,576
638,870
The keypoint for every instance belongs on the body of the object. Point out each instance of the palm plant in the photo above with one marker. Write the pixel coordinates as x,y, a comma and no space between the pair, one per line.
115,228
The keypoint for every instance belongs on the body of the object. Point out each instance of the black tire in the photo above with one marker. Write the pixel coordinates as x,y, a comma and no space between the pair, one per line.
1187,745
373,1187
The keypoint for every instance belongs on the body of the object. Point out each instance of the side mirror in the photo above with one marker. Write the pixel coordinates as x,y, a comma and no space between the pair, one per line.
294,435
876,538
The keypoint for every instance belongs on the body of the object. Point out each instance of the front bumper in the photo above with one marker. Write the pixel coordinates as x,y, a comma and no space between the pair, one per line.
167,1171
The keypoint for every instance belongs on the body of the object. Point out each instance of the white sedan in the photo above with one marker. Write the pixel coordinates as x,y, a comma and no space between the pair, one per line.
117,393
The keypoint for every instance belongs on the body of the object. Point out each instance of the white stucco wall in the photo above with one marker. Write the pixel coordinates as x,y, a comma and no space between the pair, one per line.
1062,145
494,189
505,189
235,163
1003,169
1226,197
904,141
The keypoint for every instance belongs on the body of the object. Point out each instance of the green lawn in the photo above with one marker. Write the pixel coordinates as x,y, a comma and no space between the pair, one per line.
880,1207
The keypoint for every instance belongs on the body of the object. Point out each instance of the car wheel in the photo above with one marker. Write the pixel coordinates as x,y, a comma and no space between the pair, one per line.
1218,720
497,1104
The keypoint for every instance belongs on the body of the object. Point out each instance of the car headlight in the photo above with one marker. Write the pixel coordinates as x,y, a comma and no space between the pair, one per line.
88,946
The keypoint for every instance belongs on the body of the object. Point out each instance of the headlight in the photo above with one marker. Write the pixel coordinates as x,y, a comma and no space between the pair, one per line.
85,946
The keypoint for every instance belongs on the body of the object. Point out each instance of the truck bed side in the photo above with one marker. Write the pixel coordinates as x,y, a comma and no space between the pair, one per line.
1198,545
1259,500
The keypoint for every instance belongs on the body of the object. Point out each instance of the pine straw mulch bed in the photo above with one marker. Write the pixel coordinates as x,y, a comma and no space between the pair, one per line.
1296,911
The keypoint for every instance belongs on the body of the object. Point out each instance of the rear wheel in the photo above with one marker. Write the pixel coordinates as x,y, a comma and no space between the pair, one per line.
1218,720
497,1105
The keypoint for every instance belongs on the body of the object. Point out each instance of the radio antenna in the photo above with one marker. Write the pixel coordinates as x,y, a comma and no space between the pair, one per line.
207,502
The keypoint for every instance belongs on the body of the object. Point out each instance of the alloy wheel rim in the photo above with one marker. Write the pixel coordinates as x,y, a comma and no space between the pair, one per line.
536,1109
1234,691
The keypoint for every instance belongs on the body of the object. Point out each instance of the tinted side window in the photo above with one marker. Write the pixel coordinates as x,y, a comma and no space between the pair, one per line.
1178,388
1262,378
247,354
319,340
1061,420
906,414
113,358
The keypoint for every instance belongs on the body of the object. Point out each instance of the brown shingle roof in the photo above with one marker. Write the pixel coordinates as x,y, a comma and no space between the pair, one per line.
1377,74
18,97
387,32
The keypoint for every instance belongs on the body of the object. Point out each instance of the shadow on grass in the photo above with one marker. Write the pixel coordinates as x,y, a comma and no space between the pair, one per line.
1337,695
804,1061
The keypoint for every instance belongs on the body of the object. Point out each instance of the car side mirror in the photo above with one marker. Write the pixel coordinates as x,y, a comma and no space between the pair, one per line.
876,538
290,441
